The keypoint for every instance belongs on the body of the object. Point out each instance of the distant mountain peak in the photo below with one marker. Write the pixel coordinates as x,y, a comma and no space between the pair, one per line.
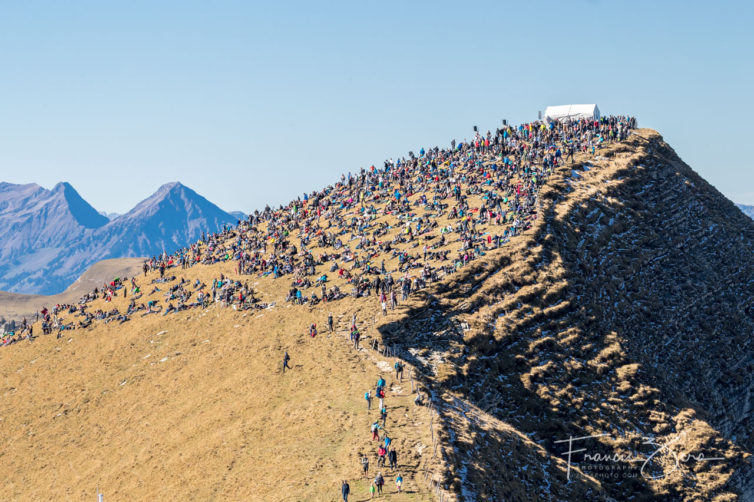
51,236
85,214
173,186
62,186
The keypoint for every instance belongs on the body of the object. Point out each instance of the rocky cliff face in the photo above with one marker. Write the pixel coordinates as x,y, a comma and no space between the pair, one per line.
626,314
50,237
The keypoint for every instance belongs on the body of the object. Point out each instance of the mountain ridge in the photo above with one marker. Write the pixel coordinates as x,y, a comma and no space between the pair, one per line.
617,312
53,236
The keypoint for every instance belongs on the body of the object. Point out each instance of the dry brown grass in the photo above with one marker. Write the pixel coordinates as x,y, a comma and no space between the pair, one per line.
207,415
193,406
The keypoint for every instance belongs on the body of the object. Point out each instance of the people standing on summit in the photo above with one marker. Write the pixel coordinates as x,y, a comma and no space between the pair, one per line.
485,193
506,168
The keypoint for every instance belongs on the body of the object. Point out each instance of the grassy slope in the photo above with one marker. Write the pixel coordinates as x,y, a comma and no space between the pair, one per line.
216,420
195,406
179,398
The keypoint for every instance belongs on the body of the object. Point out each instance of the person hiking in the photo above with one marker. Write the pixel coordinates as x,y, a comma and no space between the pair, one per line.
375,431
372,489
368,398
383,415
356,337
399,482
330,321
379,481
313,330
345,490
286,358
365,465
398,370
381,456
392,457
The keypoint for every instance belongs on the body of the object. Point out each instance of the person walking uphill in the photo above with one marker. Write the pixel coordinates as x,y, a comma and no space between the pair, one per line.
379,481
286,358
345,490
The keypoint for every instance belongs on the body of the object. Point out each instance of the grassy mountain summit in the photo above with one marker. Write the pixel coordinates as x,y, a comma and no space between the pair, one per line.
540,296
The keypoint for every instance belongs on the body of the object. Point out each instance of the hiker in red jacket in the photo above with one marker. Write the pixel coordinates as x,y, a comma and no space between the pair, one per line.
381,452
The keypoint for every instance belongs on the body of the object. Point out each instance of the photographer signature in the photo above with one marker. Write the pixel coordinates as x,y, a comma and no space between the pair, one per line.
661,450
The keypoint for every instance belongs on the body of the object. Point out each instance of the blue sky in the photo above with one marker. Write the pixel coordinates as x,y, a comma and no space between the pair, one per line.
253,103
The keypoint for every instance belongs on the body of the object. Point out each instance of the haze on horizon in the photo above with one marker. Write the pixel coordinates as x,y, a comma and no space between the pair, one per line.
252,104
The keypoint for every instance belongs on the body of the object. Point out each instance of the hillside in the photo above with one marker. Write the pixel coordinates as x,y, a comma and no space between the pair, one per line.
624,312
51,237
15,306
590,296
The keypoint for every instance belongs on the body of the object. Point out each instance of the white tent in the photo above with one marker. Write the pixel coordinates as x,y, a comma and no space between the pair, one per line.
573,112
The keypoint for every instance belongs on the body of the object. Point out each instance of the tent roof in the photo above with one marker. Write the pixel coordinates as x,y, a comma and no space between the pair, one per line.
576,111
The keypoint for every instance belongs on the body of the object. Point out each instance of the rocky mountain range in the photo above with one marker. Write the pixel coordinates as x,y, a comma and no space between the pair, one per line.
50,237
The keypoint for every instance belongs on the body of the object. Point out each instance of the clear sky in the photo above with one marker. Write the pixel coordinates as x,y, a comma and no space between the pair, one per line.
255,102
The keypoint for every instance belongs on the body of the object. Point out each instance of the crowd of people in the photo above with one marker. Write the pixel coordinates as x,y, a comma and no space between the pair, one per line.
385,231
342,226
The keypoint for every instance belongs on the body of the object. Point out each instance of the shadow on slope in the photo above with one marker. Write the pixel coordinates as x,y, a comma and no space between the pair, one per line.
624,313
